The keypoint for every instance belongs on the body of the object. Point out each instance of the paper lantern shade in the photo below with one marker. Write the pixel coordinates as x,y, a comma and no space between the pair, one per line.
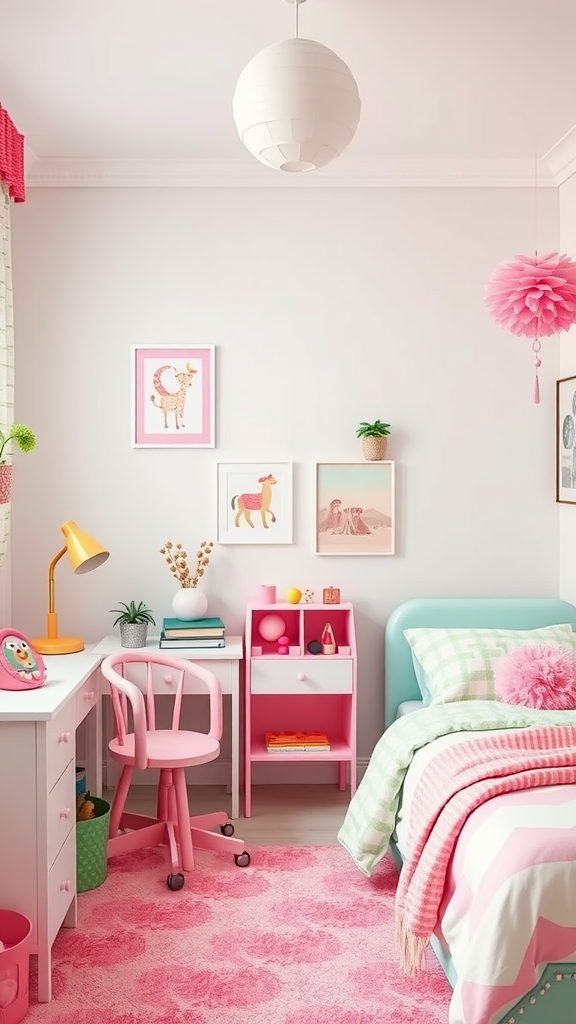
296,106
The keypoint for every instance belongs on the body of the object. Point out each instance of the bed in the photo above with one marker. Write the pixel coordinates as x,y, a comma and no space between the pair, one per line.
547,1001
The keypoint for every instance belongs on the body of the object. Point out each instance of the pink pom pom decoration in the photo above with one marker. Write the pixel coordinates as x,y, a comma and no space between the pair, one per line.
537,676
533,297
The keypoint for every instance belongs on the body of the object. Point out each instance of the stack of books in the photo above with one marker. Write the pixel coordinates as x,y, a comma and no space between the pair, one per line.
182,634
296,742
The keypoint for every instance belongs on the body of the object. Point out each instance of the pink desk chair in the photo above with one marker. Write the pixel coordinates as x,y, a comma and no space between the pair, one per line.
172,751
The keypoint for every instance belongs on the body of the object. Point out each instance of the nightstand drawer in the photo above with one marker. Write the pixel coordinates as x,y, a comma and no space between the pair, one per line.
60,743
61,886
301,675
61,812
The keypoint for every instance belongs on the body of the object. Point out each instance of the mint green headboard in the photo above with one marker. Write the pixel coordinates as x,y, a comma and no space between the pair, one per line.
490,612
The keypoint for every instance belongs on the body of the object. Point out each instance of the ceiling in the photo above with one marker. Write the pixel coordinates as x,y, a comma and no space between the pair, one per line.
440,80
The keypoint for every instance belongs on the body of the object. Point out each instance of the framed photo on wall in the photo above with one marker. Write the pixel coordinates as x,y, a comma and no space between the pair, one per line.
566,440
355,512
173,396
255,503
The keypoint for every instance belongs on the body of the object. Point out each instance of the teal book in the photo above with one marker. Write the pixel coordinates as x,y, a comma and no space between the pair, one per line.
181,628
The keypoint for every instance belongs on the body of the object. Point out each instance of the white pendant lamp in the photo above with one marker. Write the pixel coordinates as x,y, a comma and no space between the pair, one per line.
296,106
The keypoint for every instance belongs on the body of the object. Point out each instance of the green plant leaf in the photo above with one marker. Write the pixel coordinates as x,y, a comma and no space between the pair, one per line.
24,437
376,429
132,613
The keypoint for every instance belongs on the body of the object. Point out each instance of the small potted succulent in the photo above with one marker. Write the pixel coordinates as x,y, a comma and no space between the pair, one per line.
133,620
374,440
26,441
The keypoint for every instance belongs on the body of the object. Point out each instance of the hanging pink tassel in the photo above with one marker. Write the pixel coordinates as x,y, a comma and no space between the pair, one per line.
536,346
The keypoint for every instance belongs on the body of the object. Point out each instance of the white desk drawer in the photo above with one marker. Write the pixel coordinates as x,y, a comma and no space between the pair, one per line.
60,742
61,812
86,697
61,885
223,672
301,675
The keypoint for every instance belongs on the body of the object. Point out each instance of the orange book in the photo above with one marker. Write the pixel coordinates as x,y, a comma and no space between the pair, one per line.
297,739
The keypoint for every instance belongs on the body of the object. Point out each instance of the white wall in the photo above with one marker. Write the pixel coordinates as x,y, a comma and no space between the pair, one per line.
567,513
327,307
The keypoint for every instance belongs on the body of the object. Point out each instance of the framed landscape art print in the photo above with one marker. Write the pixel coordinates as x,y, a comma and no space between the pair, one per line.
355,512
566,440
173,394
254,503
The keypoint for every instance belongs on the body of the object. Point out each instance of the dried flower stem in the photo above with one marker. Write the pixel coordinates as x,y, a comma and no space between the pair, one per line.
177,559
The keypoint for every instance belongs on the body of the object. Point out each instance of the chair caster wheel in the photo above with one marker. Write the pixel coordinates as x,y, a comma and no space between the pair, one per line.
242,860
175,882
227,829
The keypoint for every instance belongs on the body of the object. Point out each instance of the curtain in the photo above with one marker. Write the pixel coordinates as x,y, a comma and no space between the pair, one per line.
6,347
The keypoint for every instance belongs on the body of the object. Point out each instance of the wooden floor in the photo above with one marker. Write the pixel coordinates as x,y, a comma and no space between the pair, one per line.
281,815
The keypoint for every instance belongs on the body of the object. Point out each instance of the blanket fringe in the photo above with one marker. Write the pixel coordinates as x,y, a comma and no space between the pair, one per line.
411,949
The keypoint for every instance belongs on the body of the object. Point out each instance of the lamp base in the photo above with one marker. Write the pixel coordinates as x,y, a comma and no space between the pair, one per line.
58,645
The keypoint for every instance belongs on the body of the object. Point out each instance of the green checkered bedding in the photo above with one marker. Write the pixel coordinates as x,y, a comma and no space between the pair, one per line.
459,663
371,816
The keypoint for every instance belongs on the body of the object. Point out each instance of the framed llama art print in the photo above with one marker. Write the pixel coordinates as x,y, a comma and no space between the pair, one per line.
173,396
355,508
254,503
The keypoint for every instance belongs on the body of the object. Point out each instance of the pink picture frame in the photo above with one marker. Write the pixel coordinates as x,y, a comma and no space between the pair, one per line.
173,396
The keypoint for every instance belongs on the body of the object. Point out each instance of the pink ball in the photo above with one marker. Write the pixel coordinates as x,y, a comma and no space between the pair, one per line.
282,649
541,676
271,627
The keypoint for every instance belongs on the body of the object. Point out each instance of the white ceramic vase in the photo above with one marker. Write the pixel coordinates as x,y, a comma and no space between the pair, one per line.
189,603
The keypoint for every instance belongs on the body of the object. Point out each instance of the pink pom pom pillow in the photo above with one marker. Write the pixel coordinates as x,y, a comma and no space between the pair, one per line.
541,676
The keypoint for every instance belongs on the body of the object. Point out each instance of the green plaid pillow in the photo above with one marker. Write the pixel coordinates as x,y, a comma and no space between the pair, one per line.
459,663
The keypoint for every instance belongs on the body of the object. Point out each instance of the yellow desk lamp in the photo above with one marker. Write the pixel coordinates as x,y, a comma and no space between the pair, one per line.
85,554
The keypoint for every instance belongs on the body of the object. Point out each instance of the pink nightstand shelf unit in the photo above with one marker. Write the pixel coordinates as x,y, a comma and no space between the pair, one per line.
300,691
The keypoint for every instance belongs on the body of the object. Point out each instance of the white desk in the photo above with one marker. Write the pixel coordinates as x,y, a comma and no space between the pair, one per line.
38,781
224,662
38,797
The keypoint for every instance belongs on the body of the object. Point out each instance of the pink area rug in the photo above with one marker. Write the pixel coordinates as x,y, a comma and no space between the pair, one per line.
299,937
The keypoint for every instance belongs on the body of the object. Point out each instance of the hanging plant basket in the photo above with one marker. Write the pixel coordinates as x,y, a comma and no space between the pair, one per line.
5,483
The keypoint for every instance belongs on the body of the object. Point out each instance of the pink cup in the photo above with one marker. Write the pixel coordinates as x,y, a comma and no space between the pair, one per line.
267,595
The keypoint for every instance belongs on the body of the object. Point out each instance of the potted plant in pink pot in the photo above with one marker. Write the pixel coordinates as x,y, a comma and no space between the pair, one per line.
26,441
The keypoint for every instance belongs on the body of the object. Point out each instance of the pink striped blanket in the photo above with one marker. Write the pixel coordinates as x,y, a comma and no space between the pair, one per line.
454,784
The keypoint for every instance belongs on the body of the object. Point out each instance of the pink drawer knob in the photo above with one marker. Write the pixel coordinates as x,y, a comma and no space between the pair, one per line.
64,737
65,812
168,678
301,677
65,886
89,696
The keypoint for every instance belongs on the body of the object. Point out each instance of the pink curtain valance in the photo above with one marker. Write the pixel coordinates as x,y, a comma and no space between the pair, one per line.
11,158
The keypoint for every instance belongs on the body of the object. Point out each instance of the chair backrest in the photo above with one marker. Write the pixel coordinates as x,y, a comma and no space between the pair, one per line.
143,710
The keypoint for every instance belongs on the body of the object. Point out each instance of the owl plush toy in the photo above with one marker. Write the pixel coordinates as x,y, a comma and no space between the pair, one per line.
21,668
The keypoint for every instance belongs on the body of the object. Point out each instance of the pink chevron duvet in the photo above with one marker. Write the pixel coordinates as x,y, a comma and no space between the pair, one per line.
487,829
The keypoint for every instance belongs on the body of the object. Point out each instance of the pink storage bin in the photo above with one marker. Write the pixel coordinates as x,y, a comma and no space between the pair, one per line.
15,933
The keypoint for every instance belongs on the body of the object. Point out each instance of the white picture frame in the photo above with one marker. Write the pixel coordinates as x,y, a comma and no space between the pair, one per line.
267,516
566,441
355,508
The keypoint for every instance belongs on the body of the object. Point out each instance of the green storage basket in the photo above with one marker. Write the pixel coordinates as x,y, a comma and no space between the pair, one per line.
91,847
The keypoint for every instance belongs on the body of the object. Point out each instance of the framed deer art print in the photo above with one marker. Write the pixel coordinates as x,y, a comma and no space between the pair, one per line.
254,503
173,396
